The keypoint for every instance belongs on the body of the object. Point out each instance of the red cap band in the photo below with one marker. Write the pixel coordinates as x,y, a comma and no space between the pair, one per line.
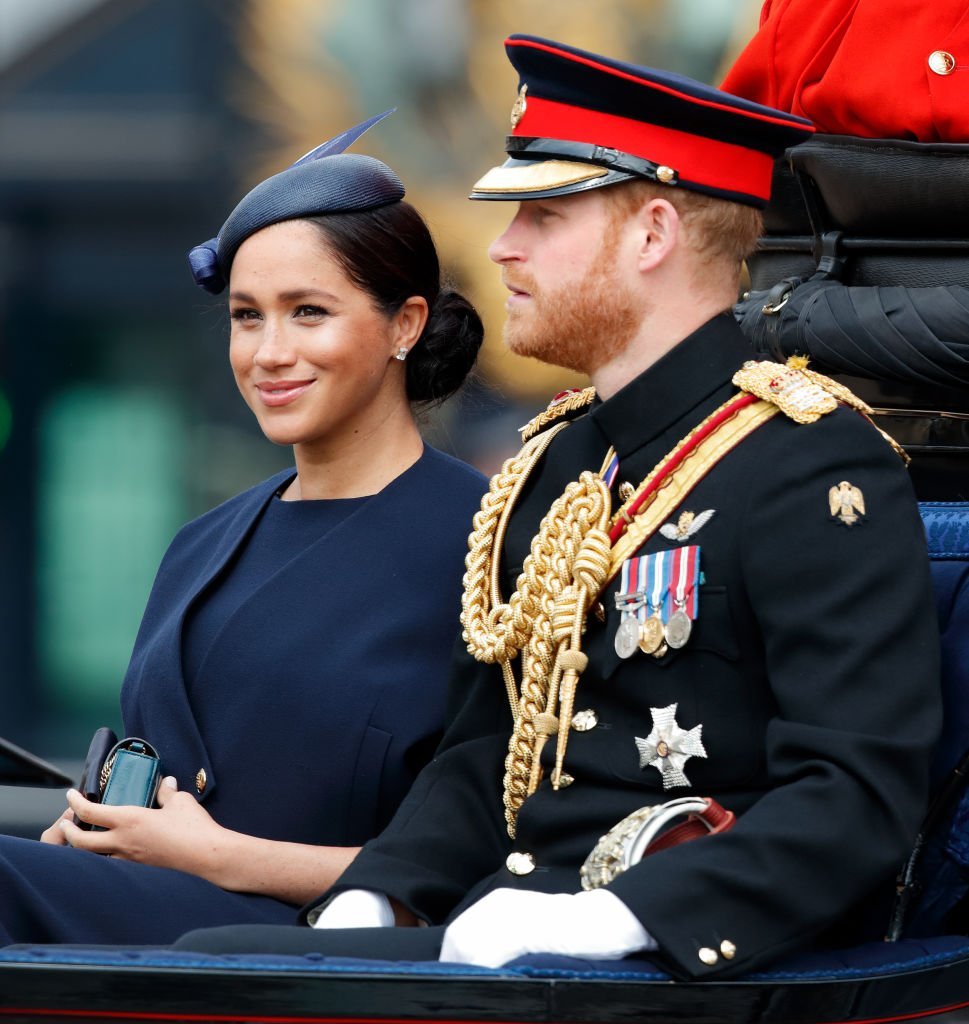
721,166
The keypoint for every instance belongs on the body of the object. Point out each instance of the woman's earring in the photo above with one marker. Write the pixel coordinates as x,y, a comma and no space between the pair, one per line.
401,353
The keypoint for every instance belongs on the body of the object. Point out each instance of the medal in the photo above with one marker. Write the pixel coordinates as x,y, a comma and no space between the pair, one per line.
685,575
630,602
678,629
627,636
668,747
651,635
657,602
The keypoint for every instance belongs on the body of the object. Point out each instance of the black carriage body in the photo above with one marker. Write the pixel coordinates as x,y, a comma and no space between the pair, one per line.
925,981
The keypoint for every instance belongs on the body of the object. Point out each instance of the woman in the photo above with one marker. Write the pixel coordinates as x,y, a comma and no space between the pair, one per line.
290,666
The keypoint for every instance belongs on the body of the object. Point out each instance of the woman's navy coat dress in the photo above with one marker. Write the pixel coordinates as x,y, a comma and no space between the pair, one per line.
315,705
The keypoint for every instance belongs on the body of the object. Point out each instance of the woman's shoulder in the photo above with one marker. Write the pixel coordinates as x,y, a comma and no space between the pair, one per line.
438,465
439,477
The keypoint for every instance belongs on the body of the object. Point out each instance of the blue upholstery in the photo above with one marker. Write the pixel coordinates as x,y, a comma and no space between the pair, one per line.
944,865
947,532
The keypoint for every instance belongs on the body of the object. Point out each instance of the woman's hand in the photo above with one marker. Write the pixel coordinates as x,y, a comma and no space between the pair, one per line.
181,834
178,834
55,834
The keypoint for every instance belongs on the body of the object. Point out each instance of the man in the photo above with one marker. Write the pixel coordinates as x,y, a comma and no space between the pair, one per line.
740,611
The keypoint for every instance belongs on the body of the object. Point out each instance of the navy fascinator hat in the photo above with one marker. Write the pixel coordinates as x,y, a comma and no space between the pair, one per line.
325,180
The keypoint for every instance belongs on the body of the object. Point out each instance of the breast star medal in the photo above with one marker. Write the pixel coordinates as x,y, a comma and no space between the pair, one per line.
668,747
847,503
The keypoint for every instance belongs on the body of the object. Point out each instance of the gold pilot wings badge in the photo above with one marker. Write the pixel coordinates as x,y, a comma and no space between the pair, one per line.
687,525
847,503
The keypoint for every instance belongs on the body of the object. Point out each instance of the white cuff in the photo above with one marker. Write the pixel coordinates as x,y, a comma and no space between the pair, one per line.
356,908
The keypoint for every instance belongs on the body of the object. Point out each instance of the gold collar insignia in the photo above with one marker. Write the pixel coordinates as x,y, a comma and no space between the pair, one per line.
563,404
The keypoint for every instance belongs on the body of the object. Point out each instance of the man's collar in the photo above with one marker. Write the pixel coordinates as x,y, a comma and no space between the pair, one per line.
678,382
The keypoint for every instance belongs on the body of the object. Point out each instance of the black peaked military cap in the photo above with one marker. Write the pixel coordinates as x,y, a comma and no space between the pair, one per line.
583,121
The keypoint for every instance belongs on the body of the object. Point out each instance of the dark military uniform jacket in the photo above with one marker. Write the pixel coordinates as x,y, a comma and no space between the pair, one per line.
812,668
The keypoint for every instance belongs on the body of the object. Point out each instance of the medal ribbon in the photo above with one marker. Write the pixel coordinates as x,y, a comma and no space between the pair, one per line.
686,573
661,582
631,598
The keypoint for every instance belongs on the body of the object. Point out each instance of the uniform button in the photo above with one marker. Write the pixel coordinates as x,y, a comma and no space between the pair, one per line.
665,174
201,780
727,949
520,863
599,610
583,721
942,62
707,955
565,780
626,490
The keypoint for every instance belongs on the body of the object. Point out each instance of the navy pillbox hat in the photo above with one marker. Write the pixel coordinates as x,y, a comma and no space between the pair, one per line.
325,180
584,121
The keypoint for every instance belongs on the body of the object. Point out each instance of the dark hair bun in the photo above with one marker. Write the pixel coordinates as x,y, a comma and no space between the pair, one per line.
443,357
389,253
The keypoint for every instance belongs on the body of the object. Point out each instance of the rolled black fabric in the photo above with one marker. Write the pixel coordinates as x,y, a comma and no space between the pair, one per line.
886,333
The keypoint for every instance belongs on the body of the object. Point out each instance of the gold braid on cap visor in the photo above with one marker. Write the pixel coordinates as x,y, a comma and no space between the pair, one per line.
537,175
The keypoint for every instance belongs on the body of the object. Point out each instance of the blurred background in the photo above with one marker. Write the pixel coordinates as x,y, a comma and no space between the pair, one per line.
128,131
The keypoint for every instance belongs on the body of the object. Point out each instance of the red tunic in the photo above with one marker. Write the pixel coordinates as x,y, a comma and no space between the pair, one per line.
876,68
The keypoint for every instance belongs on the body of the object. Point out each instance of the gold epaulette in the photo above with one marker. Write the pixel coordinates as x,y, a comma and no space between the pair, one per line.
564,404
801,394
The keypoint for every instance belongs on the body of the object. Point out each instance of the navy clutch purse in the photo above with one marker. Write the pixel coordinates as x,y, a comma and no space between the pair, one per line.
120,772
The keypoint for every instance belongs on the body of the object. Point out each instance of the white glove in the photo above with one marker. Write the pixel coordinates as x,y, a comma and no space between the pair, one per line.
508,923
355,908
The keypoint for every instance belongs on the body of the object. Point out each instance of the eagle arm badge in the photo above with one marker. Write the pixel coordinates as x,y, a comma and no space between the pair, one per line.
846,502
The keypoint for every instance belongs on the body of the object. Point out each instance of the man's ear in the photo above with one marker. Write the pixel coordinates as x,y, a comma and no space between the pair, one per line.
659,231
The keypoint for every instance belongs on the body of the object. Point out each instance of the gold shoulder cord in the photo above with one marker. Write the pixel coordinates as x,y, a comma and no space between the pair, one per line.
545,616
495,631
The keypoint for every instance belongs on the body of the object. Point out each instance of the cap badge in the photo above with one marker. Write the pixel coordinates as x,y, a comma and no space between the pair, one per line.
846,502
668,747
521,105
